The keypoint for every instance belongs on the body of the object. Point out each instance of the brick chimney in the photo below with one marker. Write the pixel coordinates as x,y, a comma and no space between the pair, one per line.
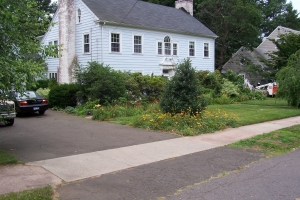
186,4
66,39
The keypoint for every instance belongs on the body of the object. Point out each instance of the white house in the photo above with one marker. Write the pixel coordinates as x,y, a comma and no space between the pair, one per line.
128,35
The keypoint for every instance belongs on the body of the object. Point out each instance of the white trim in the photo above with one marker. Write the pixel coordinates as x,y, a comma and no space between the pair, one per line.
176,49
204,50
142,44
120,42
162,47
189,48
95,17
83,34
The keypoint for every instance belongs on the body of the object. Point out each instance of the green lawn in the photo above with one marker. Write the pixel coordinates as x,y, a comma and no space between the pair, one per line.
256,111
6,159
45,193
275,143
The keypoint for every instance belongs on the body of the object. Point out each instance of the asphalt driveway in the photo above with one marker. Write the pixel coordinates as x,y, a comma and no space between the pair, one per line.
56,134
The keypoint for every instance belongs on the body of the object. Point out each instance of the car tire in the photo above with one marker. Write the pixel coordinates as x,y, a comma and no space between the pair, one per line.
9,122
41,112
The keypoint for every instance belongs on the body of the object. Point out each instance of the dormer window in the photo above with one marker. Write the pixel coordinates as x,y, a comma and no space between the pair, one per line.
78,19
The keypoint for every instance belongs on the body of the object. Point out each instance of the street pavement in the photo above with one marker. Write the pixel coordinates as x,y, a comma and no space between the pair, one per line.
97,160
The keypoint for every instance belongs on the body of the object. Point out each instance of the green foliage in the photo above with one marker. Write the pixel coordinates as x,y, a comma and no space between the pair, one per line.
184,123
144,87
223,99
287,46
43,92
70,110
230,89
42,83
52,83
210,80
63,95
21,22
97,81
109,112
182,91
234,78
289,80
236,22
256,95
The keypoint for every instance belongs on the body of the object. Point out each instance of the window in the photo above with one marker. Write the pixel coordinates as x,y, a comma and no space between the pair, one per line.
115,42
78,19
86,43
159,48
175,49
206,50
191,48
137,44
55,42
50,43
167,42
52,75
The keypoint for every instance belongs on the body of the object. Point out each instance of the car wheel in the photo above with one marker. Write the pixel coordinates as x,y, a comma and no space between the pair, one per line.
41,112
9,122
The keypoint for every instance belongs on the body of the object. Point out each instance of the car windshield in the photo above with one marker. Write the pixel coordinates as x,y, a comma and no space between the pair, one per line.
27,95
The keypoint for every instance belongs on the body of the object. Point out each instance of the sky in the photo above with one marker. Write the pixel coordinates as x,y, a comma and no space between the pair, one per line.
296,4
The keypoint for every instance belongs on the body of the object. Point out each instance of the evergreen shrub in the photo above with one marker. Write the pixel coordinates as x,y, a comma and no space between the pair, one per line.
63,95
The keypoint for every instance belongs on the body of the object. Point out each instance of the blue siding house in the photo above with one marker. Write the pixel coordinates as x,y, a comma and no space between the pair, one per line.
128,35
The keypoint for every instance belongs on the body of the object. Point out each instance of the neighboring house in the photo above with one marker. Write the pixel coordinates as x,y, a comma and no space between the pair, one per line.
237,62
128,35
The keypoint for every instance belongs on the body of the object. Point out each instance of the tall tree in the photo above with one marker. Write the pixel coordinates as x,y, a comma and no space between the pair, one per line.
236,22
20,66
277,13
47,6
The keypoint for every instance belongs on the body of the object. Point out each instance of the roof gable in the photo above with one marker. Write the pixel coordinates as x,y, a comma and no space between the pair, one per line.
148,15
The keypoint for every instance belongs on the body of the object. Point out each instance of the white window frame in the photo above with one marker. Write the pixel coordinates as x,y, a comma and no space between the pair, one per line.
164,46
78,16
208,46
141,45
83,43
157,48
189,52
120,42
176,49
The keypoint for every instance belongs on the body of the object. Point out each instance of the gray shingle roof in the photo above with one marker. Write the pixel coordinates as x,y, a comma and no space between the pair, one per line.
144,14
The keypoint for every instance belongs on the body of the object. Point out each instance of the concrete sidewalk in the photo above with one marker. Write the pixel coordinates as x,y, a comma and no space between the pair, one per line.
78,167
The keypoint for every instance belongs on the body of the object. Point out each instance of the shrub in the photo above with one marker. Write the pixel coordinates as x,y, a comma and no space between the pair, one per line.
52,83
108,112
63,95
223,99
43,92
210,80
97,81
70,110
182,92
234,78
229,89
42,83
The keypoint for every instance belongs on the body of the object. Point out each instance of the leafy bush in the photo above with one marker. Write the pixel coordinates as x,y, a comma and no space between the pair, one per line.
63,95
256,95
70,110
182,92
97,81
223,99
210,80
147,88
234,78
42,83
52,83
289,80
43,92
229,89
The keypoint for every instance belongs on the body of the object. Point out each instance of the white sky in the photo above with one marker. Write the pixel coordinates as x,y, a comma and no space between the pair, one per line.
296,4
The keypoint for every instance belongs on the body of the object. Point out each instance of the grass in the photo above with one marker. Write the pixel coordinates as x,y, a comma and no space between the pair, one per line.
256,111
274,143
45,193
6,159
